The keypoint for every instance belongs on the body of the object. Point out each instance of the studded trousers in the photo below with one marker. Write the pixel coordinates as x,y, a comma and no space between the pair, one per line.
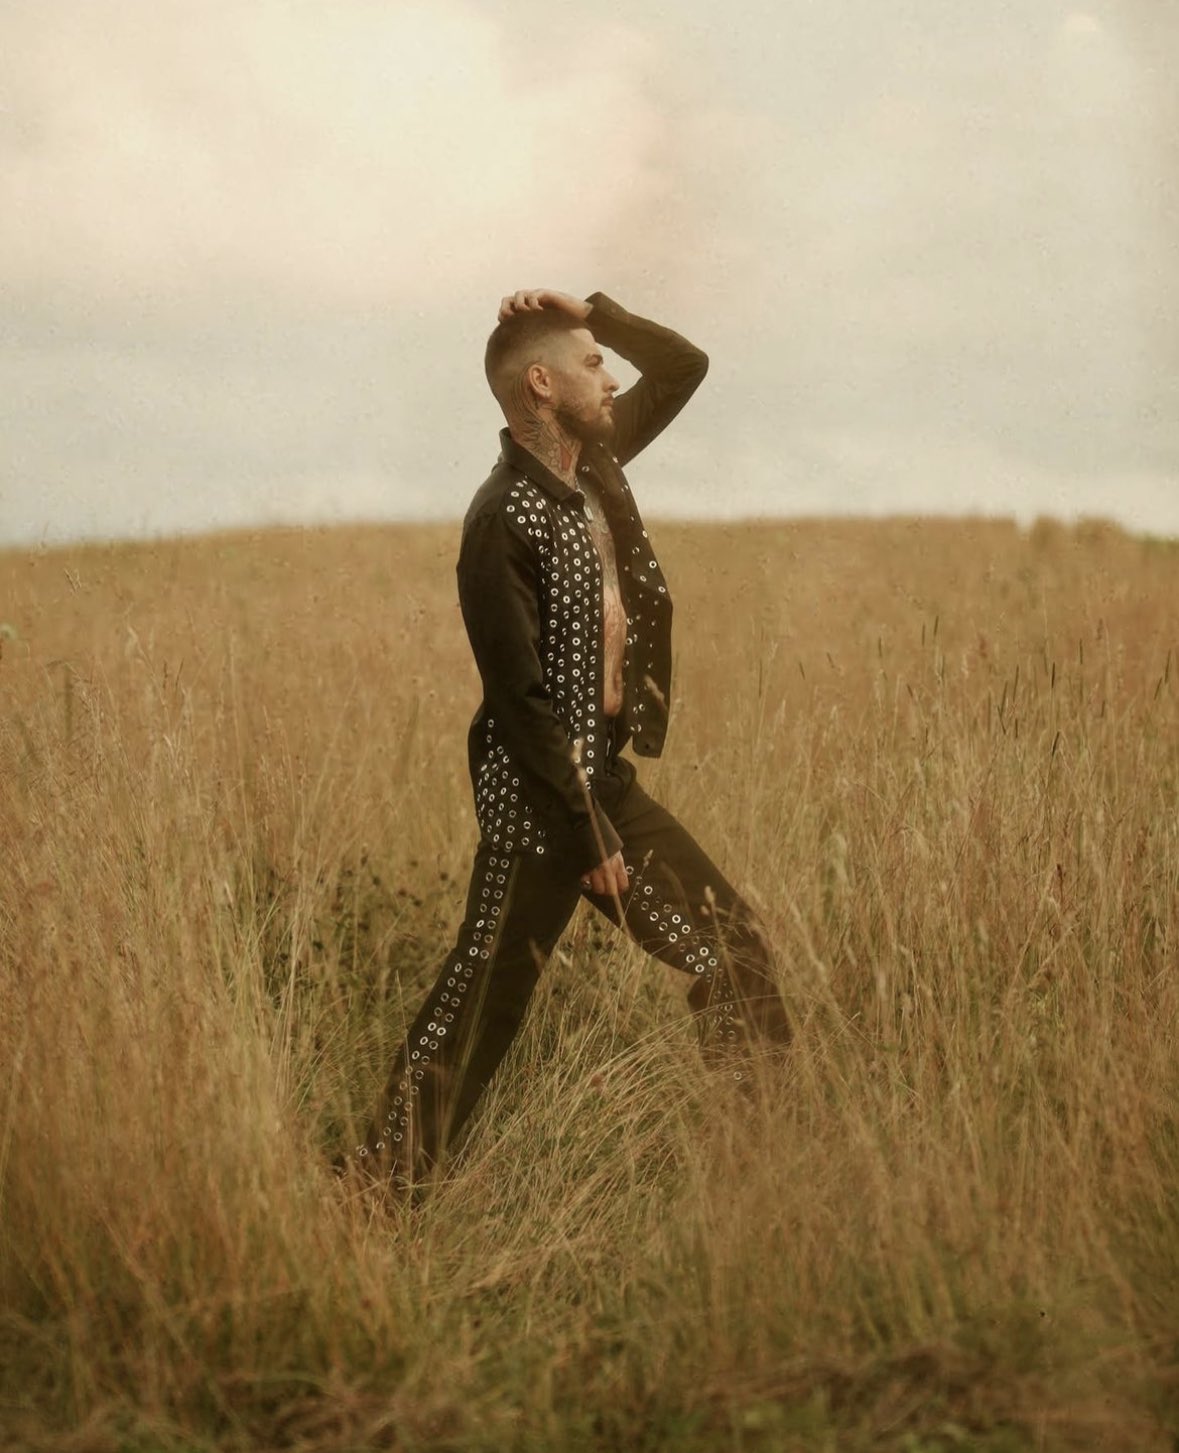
678,907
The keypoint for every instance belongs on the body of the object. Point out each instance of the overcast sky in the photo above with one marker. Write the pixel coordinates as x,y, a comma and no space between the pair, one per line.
251,251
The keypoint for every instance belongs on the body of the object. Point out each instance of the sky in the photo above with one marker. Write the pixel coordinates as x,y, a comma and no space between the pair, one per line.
252,251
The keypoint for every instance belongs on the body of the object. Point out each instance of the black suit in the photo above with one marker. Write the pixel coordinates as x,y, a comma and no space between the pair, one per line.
553,796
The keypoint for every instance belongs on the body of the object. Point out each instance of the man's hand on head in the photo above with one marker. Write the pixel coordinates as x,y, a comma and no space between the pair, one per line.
608,878
534,300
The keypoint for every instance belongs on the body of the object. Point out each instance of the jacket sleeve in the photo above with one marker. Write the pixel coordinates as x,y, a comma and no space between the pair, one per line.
497,579
671,368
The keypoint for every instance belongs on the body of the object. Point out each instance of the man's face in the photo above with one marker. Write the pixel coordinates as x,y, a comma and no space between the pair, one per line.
583,391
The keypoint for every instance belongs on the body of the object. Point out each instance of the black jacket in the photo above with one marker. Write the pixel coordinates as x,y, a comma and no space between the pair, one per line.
530,586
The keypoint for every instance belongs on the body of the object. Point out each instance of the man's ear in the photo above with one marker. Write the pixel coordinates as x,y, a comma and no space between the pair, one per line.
540,382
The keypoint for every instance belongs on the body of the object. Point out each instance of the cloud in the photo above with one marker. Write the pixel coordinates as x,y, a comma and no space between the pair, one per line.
254,248
1080,23
959,246
346,153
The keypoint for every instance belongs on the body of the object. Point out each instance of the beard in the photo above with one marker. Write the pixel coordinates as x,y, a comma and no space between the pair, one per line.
598,430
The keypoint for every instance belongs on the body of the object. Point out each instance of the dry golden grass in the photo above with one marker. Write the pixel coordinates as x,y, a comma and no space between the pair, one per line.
235,821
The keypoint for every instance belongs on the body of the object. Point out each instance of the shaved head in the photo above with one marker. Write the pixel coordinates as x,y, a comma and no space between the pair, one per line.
521,340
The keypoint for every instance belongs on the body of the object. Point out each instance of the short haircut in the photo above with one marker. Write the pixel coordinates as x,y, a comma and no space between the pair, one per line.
520,340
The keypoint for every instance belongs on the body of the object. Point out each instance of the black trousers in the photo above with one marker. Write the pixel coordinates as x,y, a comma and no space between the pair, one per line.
678,907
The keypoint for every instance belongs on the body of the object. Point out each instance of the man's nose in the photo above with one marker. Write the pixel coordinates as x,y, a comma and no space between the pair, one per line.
611,384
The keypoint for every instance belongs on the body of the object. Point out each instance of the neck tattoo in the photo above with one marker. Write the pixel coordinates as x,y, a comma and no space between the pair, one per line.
538,430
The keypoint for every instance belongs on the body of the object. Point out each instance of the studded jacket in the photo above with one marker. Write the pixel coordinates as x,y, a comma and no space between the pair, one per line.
530,587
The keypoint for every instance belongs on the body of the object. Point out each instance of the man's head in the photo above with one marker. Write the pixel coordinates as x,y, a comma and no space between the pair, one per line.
546,362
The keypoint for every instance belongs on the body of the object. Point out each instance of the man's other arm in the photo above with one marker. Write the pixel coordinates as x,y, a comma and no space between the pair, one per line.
498,595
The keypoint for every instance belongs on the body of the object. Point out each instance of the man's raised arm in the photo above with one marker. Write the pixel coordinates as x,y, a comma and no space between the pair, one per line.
671,368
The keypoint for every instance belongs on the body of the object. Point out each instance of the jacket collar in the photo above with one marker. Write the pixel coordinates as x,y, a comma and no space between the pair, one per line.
527,462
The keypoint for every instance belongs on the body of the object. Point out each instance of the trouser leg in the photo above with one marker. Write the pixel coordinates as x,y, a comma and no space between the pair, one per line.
517,906
681,909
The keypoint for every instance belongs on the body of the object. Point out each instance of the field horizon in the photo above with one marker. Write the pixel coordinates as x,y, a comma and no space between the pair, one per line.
261,529
940,756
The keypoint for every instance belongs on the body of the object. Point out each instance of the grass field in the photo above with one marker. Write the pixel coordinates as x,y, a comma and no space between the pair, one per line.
942,759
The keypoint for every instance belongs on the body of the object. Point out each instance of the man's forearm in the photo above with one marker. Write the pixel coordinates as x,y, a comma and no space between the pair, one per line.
650,346
551,782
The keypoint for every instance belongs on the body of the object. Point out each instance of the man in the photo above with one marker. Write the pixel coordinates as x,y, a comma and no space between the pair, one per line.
569,619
